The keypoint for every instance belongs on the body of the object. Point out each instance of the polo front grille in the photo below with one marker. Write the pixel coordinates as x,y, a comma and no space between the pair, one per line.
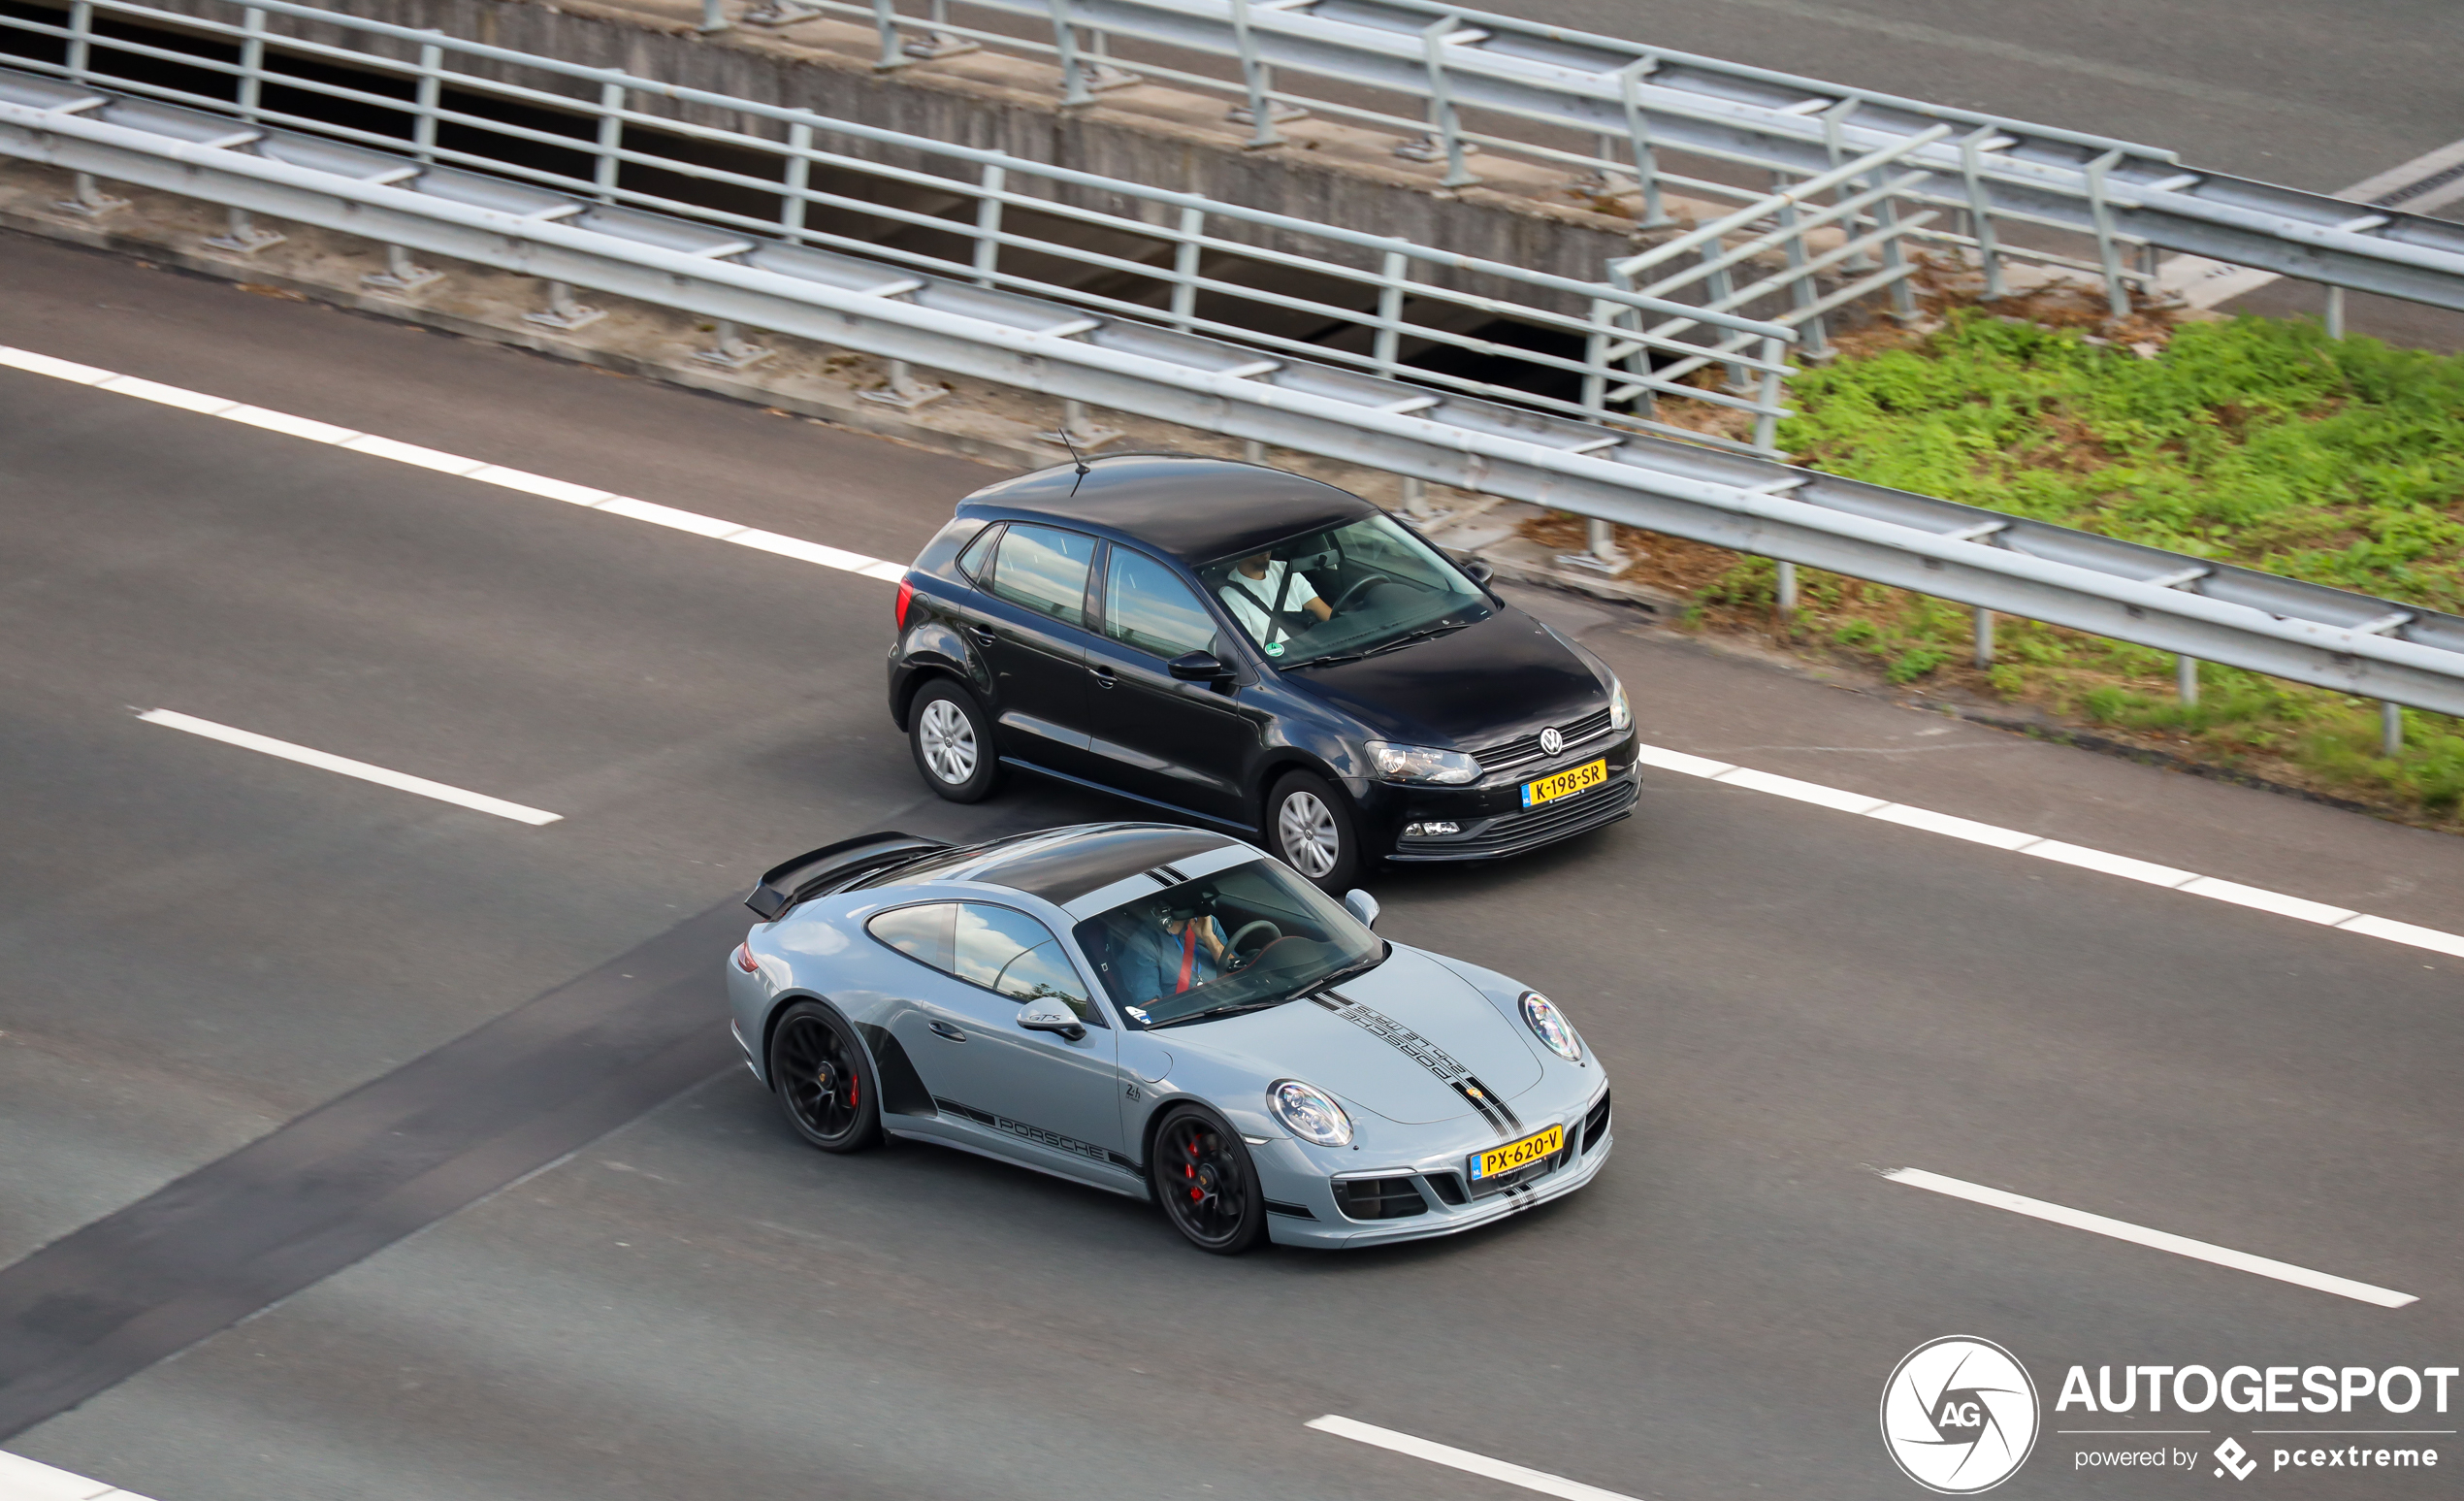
1380,1198
1549,821
1526,749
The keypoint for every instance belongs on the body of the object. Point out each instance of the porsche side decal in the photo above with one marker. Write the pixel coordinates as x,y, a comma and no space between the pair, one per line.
1052,1140
1428,1055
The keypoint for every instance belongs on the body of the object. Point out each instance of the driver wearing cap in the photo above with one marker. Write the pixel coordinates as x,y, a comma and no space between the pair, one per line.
1175,950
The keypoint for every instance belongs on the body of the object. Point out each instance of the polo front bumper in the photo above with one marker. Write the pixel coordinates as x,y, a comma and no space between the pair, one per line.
1490,820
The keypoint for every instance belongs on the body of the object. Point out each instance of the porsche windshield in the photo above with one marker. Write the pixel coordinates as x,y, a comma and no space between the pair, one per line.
1241,939
1346,592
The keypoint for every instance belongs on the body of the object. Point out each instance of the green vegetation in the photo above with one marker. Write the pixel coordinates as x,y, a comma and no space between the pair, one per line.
2255,442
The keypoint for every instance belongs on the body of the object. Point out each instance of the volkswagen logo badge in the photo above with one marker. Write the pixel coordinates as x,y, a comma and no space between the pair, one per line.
1551,742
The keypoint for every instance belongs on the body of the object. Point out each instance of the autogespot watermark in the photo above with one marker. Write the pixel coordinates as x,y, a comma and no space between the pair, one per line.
1960,1415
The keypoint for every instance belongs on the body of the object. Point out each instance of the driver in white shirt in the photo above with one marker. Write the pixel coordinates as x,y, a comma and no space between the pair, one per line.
1259,585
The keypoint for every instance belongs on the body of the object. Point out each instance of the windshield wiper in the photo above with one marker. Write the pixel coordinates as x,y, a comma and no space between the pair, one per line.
1228,1008
1409,637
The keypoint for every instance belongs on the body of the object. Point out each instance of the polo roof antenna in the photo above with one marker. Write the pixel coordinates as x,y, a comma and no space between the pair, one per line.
1075,457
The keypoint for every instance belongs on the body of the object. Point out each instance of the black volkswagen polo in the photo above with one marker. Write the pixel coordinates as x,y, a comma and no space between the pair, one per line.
1255,650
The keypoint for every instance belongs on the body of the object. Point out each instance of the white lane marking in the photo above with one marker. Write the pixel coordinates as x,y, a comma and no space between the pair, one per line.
24,1480
826,556
2161,1240
480,470
2206,284
1541,1480
344,766
2021,843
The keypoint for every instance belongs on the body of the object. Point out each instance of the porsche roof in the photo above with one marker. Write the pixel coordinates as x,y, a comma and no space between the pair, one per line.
1073,862
1196,508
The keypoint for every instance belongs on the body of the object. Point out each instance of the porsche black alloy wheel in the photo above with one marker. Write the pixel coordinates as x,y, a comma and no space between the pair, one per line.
823,1081
1203,1177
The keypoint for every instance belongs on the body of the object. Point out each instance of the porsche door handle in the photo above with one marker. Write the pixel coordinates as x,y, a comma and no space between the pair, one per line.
945,1030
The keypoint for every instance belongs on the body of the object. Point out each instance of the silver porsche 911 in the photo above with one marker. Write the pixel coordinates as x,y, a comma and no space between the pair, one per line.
1164,1013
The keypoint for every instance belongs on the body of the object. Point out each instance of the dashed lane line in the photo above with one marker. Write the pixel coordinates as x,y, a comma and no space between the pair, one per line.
1464,1460
826,556
2020,842
343,765
457,465
2140,1234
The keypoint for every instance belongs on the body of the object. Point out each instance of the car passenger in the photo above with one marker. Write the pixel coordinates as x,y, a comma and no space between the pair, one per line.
1168,955
1262,592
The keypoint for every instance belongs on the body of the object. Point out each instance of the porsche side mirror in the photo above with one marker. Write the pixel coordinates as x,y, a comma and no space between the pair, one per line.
1197,666
1052,1016
1360,904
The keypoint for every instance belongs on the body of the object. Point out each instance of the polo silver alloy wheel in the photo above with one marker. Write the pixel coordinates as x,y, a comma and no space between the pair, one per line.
949,742
1306,828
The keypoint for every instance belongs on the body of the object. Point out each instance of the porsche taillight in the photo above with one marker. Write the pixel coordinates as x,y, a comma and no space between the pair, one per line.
744,958
906,597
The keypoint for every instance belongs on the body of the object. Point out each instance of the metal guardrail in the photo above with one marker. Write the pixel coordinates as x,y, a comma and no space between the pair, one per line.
2304,632
1637,102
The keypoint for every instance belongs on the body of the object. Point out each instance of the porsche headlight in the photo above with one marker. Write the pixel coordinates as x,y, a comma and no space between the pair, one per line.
1621,714
1541,1015
1309,1113
1421,764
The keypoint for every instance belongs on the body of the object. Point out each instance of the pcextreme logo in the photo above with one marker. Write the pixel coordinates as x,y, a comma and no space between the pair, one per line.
1959,1415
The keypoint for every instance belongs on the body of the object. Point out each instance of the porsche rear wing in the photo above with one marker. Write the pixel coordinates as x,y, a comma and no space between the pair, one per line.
831,866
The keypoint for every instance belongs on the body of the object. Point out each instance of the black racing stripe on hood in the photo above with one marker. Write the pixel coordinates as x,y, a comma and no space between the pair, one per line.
1478,1099
1428,1055
1510,1122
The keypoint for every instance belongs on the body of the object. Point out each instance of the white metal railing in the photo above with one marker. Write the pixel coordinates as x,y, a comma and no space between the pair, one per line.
1616,112
1381,305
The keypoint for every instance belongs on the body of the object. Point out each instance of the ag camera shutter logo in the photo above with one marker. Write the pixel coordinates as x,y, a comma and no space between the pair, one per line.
1959,1415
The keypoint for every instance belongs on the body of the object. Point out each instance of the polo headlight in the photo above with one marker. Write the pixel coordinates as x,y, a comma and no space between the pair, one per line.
1309,1113
1621,714
1421,764
1542,1016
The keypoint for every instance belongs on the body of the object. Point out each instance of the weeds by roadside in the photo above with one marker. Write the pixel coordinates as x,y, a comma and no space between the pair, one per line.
2256,442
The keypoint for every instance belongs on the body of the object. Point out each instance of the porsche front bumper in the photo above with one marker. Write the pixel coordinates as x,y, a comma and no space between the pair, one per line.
1303,1207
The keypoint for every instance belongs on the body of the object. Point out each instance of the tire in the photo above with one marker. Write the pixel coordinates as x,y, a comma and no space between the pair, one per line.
951,738
1203,1178
824,1082
1310,828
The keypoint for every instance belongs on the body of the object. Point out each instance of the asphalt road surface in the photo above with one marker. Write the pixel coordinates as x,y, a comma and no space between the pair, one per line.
2315,96
199,944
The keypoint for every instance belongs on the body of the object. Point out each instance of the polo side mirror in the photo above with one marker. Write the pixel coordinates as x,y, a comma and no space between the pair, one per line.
1480,571
1198,666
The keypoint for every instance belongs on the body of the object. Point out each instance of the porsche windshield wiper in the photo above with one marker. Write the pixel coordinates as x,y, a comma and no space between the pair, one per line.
1228,1008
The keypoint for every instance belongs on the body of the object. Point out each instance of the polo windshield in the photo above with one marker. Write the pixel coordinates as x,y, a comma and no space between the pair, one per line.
1344,592
1241,939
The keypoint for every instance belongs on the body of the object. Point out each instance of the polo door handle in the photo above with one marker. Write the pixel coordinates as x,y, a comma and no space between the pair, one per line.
945,1030
1104,676
984,634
